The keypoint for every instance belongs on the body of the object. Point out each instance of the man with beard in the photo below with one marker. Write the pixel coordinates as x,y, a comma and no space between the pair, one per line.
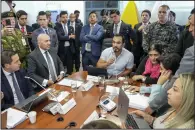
117,60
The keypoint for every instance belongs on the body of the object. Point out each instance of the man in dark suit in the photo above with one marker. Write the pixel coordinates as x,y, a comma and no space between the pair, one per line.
43,22
77,20
44,65
27,30
66,38
119,27
77,30
172,18
91,37
13,84
138,50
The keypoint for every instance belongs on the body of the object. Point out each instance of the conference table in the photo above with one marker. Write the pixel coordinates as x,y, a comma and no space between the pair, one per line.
86,103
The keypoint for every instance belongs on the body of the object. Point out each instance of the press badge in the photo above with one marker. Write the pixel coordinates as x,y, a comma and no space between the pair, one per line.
23,41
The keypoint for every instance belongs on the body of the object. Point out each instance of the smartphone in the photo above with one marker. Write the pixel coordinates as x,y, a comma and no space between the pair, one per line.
8,22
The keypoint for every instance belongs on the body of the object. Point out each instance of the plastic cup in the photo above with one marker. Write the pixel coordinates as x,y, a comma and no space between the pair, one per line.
32,116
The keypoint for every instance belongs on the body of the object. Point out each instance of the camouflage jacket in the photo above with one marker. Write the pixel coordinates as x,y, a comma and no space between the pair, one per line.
17,43
165,34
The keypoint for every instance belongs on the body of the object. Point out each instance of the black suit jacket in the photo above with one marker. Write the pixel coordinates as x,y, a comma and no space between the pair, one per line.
77,32
62,38
37,66
127,33
29,29
24,84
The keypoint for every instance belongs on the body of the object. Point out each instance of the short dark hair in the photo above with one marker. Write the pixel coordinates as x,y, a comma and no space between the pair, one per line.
104,12
6,57
146,11
76,11
42,13
170,61
173,13
165,6
193,11
101,124
115,11
20,13
119,35
63,13
93,12
157,47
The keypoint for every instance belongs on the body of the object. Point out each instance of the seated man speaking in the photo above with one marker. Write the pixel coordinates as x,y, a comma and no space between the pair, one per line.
116,59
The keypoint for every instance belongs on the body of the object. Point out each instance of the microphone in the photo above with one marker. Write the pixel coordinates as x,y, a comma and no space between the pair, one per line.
26,77
52,110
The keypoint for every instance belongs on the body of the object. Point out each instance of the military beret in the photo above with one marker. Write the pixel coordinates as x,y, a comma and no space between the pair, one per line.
7,14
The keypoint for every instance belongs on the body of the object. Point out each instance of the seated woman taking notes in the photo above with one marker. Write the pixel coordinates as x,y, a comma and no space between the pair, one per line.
149,69
181,100
168,66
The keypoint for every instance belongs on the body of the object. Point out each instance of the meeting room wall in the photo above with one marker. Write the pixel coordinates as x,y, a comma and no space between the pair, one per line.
33,7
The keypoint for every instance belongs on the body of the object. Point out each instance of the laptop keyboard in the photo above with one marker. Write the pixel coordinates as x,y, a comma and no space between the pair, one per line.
130,122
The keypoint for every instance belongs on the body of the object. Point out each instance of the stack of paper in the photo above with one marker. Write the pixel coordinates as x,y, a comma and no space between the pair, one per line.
67,82
138,101
61,96
112,90
15,117
92,78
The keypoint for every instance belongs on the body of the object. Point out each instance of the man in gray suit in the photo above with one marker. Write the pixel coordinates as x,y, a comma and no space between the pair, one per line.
44,65
159,104
43,22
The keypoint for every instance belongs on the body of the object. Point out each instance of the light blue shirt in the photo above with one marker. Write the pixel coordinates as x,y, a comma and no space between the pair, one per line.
123,61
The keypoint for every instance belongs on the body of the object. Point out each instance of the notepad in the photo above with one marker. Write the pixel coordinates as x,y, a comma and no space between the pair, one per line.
138,101
15,117
67,82
92,78
113,90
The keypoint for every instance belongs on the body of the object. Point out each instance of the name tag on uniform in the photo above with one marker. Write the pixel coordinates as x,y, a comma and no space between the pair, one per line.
23,41
88,47
67,44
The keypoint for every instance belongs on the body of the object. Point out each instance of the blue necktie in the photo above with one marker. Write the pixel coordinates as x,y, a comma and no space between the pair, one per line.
17,89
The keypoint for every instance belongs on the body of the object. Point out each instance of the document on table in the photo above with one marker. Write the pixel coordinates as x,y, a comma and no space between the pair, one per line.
92,78
61,96
15,117
67,82
112,90
138,101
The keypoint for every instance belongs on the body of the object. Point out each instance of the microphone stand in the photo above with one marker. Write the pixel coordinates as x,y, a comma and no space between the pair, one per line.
59,118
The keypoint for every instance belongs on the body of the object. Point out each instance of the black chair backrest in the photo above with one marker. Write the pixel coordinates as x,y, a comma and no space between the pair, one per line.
107,42
96,71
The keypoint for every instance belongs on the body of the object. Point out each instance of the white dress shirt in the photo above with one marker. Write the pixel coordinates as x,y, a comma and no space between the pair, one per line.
118,27
67,43
9,78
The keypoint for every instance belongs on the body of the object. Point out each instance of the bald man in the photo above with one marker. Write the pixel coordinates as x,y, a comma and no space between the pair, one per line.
44,65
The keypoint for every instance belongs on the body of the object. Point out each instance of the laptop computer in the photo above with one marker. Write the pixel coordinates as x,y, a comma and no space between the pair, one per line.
30,103
97,71
130,120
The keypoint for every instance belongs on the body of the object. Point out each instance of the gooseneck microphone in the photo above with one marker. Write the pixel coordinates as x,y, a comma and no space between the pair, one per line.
60,118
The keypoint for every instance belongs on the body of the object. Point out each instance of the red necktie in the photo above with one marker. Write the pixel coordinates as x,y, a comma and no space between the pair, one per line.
22,29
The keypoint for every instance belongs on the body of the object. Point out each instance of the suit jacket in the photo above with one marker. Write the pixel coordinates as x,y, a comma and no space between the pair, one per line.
126,31
186,66
77,33
29,29
52,34
105,25
24,84
37,66
94,39
62,37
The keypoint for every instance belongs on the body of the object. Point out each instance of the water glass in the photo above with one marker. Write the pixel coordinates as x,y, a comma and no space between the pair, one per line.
101,80
74,86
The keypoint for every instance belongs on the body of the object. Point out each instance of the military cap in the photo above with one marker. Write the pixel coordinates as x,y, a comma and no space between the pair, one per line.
7,14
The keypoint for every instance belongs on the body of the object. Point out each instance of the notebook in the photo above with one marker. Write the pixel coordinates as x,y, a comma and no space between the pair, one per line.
15,117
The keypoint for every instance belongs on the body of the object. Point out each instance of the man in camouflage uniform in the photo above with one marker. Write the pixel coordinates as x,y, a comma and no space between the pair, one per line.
50,23
163,32
13,39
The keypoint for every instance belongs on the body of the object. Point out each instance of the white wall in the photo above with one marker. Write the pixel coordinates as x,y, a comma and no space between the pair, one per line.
33,7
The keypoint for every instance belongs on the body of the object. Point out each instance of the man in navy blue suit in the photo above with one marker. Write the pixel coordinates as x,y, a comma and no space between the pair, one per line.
13,84
91,37
27,30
